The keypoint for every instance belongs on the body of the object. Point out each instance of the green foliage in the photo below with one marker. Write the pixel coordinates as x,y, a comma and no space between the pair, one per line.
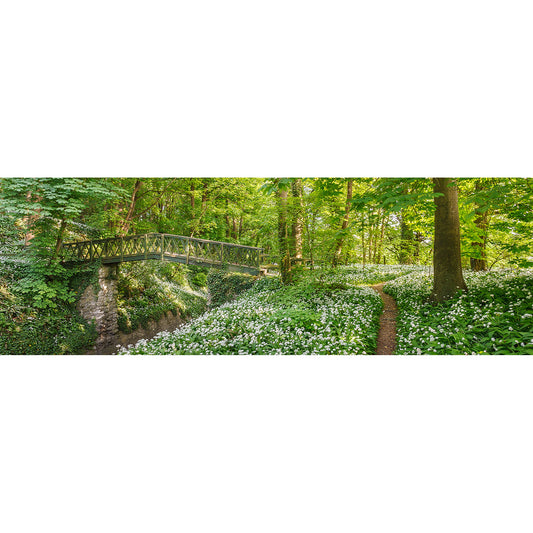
46,286
199,279
37,309
48,207
304,318
494,317
60,332
390,220
225,286
148,290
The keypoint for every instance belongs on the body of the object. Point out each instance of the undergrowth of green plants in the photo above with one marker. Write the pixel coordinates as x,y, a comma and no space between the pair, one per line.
149,290
308,317
493,317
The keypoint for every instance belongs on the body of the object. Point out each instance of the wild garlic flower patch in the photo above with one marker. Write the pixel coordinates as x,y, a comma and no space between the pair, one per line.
357,274
495,316
339,322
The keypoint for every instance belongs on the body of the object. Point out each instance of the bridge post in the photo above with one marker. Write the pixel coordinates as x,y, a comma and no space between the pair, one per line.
162,246
99,303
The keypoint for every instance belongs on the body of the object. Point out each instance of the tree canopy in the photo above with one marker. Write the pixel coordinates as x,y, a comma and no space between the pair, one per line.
298,221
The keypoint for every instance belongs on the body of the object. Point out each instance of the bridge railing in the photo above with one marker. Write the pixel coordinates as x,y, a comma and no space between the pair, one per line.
188,250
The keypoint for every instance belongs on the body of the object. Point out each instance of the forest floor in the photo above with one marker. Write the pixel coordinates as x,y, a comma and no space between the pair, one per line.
386,344
352,310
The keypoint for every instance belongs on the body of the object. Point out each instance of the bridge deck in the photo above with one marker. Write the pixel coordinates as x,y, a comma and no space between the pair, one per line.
166,247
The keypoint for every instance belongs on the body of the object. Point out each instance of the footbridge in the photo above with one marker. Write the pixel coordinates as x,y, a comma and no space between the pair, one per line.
166,247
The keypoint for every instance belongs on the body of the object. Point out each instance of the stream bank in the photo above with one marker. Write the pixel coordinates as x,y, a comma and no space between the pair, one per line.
168,322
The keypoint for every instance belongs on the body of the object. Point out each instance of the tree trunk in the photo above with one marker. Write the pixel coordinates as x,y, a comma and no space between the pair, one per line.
406,242
363,237
310,238
370,234
59,240
204,197
340,241
381,237
482,222
127,221
418,237
228,223
297,221
376,241
448,274
283,237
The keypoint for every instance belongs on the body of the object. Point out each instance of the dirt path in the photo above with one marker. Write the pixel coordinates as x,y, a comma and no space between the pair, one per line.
387,323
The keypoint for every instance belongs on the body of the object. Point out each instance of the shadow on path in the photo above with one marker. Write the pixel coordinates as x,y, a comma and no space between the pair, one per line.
387,323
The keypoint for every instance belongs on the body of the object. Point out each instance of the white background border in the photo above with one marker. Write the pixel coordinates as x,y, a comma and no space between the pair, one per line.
265,444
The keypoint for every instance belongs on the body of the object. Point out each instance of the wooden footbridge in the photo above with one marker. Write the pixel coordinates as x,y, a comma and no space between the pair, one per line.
165,247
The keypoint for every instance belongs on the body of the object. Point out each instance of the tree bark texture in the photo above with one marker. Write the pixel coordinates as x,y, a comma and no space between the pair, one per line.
346,218
448,273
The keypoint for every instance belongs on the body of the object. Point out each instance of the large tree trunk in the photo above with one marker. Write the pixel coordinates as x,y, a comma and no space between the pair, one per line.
340,241
482,222
448,274
283,237
297,221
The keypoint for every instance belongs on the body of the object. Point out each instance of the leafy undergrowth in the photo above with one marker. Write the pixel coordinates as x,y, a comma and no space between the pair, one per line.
148,290
59,332
493,317
309,317
226,286
37,308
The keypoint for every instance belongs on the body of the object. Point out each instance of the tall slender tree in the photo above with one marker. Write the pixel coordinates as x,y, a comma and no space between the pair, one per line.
345,220
282,194
297,221
482,224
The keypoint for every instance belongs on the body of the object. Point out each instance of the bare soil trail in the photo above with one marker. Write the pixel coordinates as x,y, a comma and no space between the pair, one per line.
387,323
